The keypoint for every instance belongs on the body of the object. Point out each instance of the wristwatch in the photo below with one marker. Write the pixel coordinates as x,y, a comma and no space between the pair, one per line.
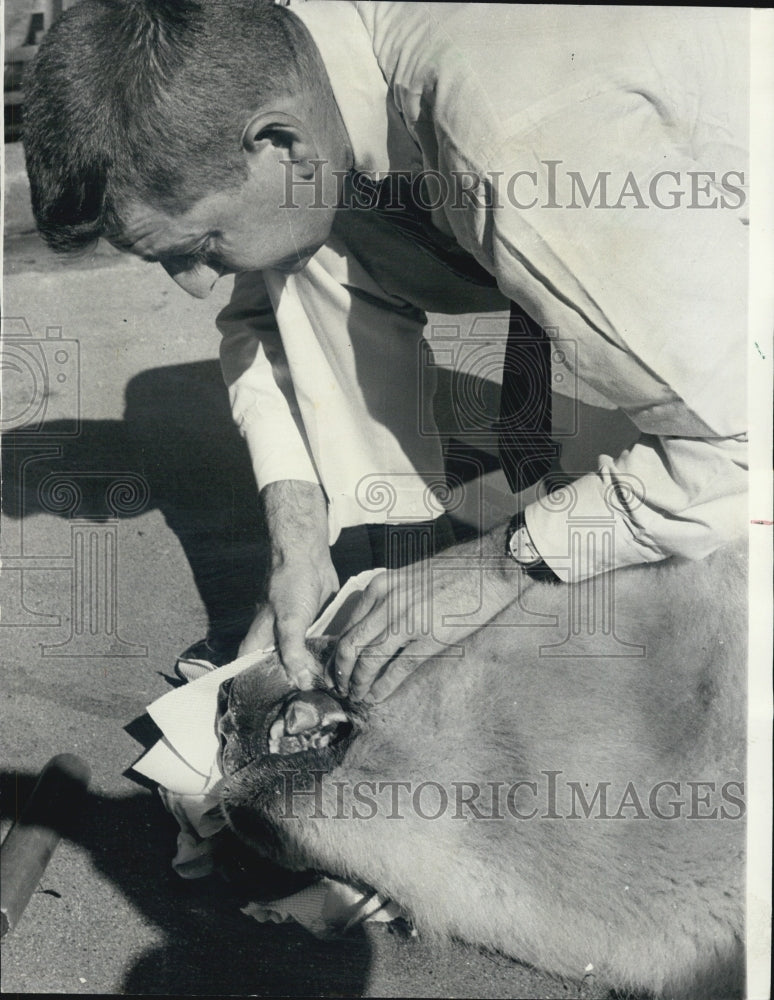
520,547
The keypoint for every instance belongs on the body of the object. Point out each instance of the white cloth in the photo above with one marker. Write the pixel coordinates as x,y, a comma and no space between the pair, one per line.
327,908
184,764
324,366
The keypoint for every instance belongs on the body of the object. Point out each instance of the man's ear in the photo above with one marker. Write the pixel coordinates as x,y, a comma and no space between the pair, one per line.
283,131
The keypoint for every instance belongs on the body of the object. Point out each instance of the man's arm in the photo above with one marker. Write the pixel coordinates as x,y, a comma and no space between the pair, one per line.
301,578
301,575
662,497
260,390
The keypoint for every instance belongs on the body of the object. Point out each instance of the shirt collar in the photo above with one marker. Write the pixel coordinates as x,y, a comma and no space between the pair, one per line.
360,90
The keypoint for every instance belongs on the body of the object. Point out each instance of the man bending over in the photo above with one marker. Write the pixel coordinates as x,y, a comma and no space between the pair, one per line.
356,165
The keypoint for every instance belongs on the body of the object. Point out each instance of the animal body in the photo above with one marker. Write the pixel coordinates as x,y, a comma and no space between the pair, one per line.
565,795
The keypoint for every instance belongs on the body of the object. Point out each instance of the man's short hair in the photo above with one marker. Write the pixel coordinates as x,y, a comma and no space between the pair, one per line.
147,99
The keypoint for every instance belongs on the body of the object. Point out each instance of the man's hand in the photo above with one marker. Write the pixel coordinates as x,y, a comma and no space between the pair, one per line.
407,615
302,576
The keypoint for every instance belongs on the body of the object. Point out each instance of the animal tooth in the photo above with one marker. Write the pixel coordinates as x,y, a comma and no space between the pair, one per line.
276,733
301,716
331,719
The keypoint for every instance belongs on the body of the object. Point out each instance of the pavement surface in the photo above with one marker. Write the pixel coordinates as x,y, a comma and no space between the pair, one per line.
129,525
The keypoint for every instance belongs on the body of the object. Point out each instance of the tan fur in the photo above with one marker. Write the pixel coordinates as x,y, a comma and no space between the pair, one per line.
654,904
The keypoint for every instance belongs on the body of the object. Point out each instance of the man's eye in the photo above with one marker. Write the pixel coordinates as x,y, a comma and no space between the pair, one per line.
202,254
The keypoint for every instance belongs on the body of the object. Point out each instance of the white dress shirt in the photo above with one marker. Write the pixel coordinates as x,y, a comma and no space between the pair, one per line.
532,106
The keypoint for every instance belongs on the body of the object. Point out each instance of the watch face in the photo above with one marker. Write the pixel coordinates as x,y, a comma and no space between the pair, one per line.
522,549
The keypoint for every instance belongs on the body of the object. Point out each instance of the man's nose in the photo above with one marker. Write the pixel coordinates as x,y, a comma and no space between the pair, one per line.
198,280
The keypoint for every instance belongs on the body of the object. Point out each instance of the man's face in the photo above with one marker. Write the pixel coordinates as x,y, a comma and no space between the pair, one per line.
247,228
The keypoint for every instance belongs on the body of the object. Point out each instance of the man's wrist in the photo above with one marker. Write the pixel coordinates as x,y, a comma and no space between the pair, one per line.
296,517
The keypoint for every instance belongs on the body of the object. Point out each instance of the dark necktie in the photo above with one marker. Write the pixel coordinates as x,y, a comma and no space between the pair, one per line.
524,425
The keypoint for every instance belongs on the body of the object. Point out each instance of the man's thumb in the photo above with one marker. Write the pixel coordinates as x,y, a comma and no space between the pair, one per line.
300,665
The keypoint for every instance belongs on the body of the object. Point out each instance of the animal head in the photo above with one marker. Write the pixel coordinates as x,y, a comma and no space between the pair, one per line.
268,730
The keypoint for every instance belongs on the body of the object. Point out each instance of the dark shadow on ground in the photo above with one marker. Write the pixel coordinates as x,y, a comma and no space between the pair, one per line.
182,455
210,948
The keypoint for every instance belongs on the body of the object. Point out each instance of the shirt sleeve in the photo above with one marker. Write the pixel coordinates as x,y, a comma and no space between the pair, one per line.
260,389
662,497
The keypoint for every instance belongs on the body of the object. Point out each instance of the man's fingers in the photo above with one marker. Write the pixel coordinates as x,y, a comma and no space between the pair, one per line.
297,594
395,674
394,670
371,662
300,665
367,626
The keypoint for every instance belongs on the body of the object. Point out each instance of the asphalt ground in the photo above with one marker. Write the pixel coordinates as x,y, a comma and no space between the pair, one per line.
120,443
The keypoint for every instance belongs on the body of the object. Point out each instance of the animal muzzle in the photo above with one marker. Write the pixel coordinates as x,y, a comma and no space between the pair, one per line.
302,721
